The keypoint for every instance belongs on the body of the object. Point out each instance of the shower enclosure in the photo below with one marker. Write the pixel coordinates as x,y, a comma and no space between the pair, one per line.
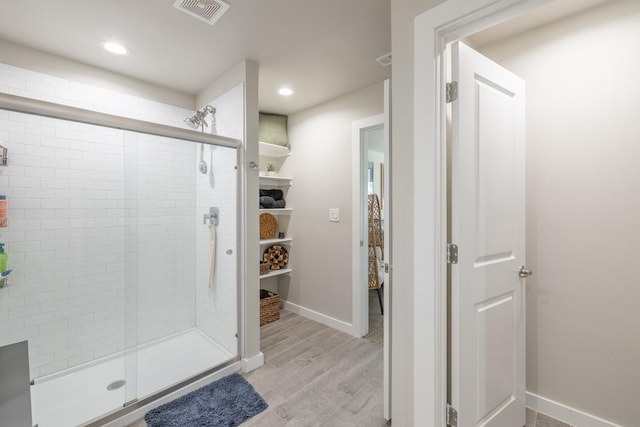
122,283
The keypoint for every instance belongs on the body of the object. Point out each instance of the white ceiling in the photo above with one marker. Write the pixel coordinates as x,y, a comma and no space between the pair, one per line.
321,49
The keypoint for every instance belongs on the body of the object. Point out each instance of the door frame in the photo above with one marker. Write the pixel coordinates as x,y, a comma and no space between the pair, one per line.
433,30
359,270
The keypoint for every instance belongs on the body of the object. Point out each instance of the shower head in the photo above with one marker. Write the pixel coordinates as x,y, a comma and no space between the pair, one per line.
198,119
193,122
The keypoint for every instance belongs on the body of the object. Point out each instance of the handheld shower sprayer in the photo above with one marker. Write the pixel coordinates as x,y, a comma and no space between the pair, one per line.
202,166
198,120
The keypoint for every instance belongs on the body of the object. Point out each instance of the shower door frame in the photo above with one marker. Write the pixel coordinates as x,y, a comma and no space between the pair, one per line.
59,111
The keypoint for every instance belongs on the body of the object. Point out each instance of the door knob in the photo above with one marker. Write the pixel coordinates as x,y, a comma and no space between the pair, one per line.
524,272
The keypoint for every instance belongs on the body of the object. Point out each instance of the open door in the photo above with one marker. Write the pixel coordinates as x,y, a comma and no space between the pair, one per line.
360,181
487,385
386,202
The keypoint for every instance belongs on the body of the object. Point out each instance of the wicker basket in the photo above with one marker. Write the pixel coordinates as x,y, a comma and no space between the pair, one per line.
264,268
269,307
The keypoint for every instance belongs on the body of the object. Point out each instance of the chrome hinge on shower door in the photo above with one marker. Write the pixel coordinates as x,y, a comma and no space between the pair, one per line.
452,253
452,91
452,416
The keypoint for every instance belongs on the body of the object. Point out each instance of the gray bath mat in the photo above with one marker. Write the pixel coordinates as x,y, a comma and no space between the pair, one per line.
226,402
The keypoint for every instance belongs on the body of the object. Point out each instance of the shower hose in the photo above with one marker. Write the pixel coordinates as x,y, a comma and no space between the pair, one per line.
212,271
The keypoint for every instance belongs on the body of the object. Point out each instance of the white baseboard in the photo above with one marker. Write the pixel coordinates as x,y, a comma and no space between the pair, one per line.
319,317
252,363
565,413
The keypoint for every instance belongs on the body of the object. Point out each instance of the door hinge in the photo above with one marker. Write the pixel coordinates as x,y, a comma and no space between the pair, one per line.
452,416
386,267
452,253
452,91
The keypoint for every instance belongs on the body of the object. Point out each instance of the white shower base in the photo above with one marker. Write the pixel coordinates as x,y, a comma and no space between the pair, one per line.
80,394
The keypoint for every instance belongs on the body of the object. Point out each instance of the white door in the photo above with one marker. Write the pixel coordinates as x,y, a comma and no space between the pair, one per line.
386,203
487,224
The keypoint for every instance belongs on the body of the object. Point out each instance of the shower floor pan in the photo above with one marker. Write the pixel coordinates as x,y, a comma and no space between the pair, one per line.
82,394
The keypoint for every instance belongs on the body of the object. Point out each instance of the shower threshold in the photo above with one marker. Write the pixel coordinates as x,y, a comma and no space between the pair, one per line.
80,394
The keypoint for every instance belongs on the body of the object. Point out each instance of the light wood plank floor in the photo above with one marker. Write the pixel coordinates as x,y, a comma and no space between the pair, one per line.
317,376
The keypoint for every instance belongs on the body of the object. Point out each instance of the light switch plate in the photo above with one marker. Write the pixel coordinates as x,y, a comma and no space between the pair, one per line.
334,215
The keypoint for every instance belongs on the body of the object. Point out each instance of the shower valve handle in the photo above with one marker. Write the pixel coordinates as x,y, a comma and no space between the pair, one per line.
213,216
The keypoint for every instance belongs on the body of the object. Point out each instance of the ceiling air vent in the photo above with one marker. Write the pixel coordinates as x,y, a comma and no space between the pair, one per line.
384,60
208,11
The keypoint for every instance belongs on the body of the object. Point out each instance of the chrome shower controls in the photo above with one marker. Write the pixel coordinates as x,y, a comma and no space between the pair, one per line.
213,216
3,155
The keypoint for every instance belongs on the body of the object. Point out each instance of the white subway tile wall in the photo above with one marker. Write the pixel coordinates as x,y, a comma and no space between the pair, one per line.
216,309
105,227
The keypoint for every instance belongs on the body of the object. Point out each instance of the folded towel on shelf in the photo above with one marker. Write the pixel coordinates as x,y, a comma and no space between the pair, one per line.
272,129
268,202
274,193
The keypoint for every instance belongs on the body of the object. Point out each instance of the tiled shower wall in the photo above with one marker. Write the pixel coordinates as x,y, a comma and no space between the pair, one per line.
160,200
216,308
76,195
31,84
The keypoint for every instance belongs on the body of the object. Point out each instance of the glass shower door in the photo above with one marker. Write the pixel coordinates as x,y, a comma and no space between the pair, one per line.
119,284
65,243
181,267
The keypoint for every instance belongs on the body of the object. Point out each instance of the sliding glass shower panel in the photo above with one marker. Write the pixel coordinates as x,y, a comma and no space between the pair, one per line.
181,295
217,250
65,240
124,256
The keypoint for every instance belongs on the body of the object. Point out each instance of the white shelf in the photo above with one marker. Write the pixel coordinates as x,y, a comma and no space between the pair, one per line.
282,183
272,150
275,181
286,240
283,211
275,273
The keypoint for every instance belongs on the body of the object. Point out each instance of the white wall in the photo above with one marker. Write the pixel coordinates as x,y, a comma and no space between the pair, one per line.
403,385
582,207
320,165
68,187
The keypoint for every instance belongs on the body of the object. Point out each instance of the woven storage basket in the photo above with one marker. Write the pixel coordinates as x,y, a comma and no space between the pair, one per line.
264,268
269,307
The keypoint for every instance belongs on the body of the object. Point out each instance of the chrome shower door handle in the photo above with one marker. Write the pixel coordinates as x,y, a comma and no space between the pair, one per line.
524,273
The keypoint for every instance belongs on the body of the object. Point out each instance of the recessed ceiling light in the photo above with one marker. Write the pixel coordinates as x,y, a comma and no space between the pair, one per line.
115,47
285,91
